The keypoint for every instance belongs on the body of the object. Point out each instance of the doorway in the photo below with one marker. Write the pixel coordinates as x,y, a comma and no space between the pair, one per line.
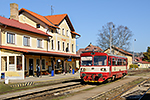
30,67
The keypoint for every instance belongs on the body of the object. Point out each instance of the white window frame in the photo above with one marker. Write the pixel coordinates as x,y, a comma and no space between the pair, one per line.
7,38
67,32
41,43
68,45
63,46
29,40
58,46
72,47
58,31
63,31
52,47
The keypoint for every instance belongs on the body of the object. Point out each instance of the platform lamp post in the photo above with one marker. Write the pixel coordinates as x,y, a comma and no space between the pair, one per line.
133,52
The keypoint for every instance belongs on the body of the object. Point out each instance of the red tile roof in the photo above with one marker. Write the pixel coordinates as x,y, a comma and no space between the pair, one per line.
16,24
51,20
75,33
90,47
42,18
25,50
121,50
56,19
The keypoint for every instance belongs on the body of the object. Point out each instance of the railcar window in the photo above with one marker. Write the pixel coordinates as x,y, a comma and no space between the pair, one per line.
86,61
113,61
124,62
109,62
120,61
100,60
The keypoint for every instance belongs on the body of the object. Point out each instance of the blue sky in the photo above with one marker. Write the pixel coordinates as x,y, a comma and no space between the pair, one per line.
88,16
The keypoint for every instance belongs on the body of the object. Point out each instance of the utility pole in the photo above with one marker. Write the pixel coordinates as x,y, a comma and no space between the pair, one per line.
110,31
133,52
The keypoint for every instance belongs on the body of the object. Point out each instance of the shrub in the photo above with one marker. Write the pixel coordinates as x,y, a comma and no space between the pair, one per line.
133,66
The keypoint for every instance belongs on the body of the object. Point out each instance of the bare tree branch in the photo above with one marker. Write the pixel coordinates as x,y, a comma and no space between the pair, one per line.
121,36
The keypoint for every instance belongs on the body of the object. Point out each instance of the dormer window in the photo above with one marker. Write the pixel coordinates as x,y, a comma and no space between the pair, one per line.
67,33
37,25
52,31
63,31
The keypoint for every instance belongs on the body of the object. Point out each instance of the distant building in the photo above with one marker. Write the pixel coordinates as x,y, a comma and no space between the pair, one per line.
121,52
141,63
90,47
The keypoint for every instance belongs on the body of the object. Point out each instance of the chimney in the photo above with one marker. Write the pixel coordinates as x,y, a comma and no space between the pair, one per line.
14,11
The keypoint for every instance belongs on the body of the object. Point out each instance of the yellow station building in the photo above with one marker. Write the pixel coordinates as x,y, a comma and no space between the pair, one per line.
29,40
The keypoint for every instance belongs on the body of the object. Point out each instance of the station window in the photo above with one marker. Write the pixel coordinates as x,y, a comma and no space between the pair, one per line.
10,38
52,44
26,41
39,43
58,45
4,63
63,31
67,32
63,45
19,62
43,63
11,63
72,48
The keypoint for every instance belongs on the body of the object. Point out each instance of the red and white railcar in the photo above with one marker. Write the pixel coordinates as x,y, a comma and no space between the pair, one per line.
99,67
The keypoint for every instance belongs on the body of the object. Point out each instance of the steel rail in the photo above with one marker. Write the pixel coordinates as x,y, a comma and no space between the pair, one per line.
35,94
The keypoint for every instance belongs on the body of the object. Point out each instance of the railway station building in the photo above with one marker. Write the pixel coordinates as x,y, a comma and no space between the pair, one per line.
29,40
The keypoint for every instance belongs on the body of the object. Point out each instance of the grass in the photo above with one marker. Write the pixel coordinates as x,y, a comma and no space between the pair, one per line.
4,87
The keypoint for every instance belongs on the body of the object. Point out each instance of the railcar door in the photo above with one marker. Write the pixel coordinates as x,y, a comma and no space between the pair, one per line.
110,65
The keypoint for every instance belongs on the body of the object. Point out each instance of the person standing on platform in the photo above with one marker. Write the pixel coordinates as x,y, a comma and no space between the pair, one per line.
38,71
70,69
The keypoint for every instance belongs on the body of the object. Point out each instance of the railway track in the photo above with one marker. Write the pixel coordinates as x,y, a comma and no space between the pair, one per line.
53,90
126,92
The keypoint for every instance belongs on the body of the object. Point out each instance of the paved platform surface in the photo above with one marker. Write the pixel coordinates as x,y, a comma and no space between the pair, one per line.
84,95
44,78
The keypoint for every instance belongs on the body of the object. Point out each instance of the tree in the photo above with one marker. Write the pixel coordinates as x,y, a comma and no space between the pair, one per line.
119,37
147,55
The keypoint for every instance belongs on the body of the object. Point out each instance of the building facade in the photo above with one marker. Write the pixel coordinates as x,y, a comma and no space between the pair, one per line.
29,40
121,52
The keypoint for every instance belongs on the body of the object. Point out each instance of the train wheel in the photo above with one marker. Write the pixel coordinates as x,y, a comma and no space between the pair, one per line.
108,80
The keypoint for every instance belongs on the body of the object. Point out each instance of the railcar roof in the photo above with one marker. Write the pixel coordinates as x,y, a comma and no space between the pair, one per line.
103,53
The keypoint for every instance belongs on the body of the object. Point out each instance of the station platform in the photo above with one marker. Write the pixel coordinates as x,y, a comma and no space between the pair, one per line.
44,78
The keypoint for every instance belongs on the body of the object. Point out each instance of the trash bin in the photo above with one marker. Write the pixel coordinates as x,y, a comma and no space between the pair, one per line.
2,75
73,71
52,73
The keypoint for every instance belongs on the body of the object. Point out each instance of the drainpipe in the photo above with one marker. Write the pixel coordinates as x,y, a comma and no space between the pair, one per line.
0,36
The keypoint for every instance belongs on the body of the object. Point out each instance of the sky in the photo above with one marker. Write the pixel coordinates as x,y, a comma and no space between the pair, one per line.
88,17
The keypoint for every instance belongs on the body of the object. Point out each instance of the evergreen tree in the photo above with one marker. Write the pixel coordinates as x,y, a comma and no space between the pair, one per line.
147,55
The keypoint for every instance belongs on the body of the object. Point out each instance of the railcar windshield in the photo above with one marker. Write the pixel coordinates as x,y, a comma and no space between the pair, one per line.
100,60
86,60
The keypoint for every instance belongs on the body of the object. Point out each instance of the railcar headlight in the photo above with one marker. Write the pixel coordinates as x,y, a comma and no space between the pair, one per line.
83,69
103,69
